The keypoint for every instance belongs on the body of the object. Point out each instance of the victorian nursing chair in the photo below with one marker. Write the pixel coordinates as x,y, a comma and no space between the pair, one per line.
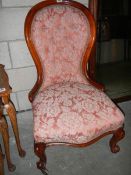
68,107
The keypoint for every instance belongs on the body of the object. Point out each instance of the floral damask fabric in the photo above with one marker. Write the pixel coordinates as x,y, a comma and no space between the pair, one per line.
60,35
74,113
67,108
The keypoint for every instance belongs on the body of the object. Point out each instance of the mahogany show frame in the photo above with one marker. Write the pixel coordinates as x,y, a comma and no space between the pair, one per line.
40,148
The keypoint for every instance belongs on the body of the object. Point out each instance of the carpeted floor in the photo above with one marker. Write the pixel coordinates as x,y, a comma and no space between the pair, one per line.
92,160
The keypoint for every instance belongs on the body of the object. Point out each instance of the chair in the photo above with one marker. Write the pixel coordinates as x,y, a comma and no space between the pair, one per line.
68,107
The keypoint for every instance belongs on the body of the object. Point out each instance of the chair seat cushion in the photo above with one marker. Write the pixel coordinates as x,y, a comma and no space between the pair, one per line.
72,112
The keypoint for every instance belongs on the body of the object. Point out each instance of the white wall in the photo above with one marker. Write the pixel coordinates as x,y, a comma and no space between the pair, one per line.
13,50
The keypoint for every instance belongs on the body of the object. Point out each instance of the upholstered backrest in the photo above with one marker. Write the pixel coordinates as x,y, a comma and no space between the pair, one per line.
60,34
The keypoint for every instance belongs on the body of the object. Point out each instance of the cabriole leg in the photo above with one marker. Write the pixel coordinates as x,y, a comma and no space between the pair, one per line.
1,162
117,136
5,136
12,115
39,149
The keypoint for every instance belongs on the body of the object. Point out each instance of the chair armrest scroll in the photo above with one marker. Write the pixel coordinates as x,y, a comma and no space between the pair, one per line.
34,90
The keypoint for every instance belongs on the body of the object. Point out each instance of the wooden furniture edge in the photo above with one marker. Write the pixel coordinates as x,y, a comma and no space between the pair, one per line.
35,56
82,144
40,147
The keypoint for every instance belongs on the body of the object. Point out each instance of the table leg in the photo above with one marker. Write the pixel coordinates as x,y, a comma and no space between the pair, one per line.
5,136
10,109
1,162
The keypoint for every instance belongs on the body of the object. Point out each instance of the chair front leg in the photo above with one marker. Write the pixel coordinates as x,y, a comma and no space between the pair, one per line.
117,136
39,149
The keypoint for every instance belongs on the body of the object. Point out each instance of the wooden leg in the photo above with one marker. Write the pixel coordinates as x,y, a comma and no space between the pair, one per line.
12,115
117,136
5,136
1,162
39,149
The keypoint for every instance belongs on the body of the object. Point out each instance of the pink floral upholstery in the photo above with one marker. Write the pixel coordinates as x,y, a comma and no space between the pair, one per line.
74,113
67,108
60,35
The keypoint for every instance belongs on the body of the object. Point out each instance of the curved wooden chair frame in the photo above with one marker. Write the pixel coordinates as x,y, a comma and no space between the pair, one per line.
40,148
